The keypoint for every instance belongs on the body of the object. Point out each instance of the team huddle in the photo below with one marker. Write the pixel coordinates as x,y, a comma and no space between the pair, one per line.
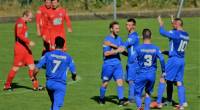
142,64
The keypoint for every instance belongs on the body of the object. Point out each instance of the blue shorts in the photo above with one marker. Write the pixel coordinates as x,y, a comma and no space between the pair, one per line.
112,71
131,71
175,69
144,80
56,91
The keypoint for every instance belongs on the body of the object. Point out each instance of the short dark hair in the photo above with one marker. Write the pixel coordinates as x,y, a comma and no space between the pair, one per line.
59,41
179,19
113,23
146,33
132,20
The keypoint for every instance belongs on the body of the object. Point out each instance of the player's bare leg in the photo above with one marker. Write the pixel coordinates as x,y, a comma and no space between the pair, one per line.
35,83
10,77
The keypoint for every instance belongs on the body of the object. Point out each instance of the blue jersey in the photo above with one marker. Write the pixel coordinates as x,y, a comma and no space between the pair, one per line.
112,59
147,55
131,43
57,64
178,41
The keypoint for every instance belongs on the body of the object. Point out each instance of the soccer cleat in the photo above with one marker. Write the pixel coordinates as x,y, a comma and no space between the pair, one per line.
40,88
7,88
122,102
129,102
102,101
35,84
156,105
178,107
140,108
185,104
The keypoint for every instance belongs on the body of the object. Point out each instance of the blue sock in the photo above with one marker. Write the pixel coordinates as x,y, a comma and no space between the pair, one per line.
147,103
120,92
138,101
181,95
102,92
131,91
161,89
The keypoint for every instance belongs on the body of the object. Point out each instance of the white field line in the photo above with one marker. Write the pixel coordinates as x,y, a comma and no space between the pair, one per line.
28,91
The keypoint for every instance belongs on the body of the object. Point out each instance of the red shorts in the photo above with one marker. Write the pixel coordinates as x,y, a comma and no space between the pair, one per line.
46,35
53,37
22,57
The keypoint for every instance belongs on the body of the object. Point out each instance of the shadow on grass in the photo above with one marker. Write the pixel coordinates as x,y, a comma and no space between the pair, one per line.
174,103
17,86
110,98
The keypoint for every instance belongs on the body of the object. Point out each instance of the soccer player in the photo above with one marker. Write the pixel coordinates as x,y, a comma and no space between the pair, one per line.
147,55
22,53
57,63
57,19
131,68
112,67
43,25
175,66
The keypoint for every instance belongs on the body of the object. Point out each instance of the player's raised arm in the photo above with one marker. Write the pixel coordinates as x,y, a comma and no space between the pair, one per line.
164,32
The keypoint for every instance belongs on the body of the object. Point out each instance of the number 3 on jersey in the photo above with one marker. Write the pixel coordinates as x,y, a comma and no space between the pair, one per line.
148,59
57,64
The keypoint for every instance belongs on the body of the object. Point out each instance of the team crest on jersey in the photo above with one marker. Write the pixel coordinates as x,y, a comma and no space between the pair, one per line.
60,14
19,25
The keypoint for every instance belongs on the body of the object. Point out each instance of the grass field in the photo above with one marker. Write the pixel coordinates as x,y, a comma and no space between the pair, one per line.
85,45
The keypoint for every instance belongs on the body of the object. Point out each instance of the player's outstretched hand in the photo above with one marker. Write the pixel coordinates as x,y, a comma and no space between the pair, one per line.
172,18
121,49
32,43
38,33
161,23
69,30
74,77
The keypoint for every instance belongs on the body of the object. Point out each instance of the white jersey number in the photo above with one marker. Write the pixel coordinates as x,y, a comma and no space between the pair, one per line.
182,46
57,64
148,59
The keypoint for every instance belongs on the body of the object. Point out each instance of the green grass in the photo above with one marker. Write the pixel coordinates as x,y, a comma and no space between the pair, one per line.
85,45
